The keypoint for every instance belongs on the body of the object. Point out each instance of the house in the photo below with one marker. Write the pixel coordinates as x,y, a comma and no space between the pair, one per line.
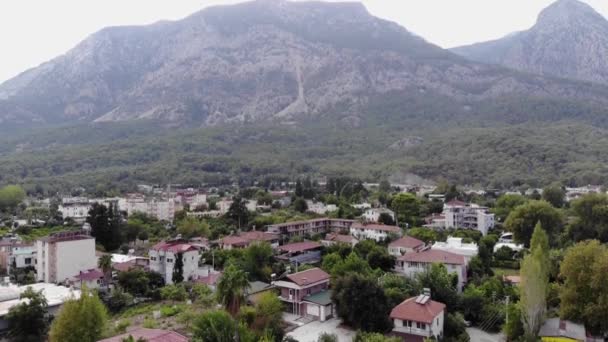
459,214
149,335
456,246
558,330
373,214
377,232
63,255
210,279
233,242
245,239
163,258
75,208
55,296
406,244
307,294
307,252
435,221
320,208
309,227
418,318
411,264
21,256
92,279
335,238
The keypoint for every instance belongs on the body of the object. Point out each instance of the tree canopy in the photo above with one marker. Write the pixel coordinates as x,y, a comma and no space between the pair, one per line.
29,320
80,320
522,220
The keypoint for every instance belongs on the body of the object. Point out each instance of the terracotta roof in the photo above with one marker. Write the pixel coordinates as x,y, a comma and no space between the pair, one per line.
434,256
259,236
233,240
407,242
211,279
67,236
150,335
381,227
127,265
409,310
299,247
92,274
311,276
174,247
456,203
340,238
513,279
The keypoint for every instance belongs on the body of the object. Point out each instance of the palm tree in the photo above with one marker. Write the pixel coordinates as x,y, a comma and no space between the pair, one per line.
105,263
231,289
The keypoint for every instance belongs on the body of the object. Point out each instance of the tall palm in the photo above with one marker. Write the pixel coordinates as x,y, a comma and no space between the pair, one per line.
232,288
105,263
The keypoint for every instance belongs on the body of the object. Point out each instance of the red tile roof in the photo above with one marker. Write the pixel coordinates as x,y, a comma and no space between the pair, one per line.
299,247
456,203
340,238
233,240
311,276
150,335
407,242
174,246
433,256
92,274
259,236
409,310
211,279
381,227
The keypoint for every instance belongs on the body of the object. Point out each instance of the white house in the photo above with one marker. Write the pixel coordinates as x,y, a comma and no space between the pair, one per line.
411,264
456,246
373,214
75,208
320,208
22,256
406,244
467,215
418,318
61,256
377,232
163,257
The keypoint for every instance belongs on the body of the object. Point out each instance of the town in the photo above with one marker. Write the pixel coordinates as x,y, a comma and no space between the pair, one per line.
309,260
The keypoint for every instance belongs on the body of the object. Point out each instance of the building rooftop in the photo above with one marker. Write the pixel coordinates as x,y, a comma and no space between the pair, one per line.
321,298
300,247
55,295
211,279
433,256
89,275
340,238
234,240
555,327
311,276
259,236
259,286
177,246
417,309
150,335
379,227
407,242
67,236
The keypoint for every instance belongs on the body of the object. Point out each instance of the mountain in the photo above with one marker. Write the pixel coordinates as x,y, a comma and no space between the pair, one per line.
569,39
276,61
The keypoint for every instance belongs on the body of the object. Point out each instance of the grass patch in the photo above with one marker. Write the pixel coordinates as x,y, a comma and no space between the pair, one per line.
505,271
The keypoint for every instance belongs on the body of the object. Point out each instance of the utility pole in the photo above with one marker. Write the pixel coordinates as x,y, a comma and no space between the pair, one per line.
507,310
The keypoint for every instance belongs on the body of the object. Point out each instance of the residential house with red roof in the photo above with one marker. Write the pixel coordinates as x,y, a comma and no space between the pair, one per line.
306,252
307,294
406,244
163,257
377,232
418,318
244,239
411,264
335,238
92,279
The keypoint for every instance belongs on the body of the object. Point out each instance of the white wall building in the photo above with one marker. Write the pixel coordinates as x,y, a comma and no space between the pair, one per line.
376,232
411,264
373,214
418,316
467,215
76,208
163,210
456,246
61,256
22,256
163,257
406,244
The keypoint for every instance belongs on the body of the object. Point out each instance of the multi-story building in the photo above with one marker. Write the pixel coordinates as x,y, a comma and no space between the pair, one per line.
335,238
411,264
61,256
307,293
418,318
310,227
467,215
163,257
244,239
163,210
75,208
456,246
373,214
406,244
22,256
377,232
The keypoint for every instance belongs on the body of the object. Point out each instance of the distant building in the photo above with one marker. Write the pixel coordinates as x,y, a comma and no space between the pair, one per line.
411,264
163,257
307,252
335,238
75,208
309,227
406,244
574,193
456,246
92,279
163,210
22,256
376,232
245,239
418,318
320,208
307,293
469,216
61,256
373,214
558,330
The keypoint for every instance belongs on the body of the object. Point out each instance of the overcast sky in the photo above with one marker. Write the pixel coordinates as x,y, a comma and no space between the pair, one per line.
34,31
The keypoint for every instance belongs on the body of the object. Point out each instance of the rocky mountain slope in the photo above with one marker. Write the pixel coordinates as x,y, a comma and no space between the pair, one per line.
275,61
570,39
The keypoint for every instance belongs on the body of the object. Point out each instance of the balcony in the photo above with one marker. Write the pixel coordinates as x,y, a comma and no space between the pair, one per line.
413,331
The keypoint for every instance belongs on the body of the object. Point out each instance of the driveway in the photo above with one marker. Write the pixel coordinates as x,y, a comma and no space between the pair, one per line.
478,335
310,332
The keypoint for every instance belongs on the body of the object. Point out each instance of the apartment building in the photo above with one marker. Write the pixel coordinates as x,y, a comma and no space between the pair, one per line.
61,256
459,214
376,232
75,208
411,264
309,227
164,254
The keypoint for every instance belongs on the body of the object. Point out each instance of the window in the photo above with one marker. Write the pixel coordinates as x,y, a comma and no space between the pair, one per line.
420,326
28,261
169,260
153,258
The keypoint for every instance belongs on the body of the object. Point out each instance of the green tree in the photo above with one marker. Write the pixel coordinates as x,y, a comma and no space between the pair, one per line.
231,289
523,219
327,337
238,212
443,285
554,194
514,328
215,326
174,292
584,293
105,264
29,320
406,207
591,218
105,226
354,294
424,234
300,205
80,320
398,288
202,294
178,269
257,260
10,197
191,227
269,315
505,204
374,337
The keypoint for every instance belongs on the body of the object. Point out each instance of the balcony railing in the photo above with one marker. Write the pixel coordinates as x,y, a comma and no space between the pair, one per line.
413,331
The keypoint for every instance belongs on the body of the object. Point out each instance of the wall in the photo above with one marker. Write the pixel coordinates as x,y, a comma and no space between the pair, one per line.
75,256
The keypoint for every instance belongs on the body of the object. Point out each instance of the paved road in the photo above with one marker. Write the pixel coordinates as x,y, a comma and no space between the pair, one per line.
310,332
478,335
